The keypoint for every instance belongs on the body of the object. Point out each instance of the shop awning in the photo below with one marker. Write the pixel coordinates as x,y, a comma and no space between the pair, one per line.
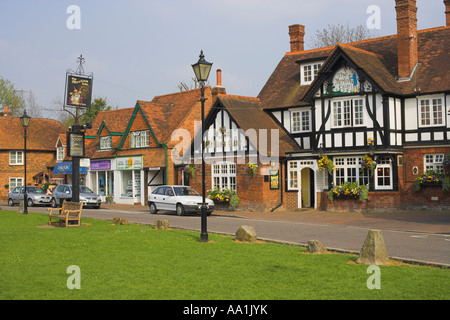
66,168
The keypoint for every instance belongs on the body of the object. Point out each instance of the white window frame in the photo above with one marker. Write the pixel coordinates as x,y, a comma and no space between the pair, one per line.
60,153
293,182
13,183
348,170
13,158
384,163
301,121
106,143
308,72
140,139
431,112
348,112
223,175
433,161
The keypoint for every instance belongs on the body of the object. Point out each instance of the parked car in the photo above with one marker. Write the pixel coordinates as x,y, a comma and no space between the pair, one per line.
64,192
35,196
181,199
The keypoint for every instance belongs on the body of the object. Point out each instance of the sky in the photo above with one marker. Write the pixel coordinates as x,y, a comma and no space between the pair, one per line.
138,49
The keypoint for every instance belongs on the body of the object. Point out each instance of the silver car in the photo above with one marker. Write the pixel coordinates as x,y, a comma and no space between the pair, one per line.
35,196
64,192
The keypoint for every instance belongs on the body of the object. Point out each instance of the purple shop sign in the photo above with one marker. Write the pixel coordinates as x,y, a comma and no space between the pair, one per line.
101,165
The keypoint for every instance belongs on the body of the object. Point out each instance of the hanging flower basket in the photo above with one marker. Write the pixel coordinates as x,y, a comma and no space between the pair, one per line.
326,163
190,169
368,163
252,169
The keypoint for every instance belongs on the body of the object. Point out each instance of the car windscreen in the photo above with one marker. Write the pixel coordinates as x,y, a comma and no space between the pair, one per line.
85,189
35,190
185,191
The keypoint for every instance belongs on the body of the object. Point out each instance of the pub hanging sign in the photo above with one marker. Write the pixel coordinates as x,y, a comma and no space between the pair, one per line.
78,91
75,144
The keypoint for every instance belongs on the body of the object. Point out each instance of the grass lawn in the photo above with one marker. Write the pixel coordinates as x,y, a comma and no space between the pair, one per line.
139,262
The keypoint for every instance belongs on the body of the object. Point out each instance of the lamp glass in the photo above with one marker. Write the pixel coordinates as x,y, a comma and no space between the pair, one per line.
202,68
25,119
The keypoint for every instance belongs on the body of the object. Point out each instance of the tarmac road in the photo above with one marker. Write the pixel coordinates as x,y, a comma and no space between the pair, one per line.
415,237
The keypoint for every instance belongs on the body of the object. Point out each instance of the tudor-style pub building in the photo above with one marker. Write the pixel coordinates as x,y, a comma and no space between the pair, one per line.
386,98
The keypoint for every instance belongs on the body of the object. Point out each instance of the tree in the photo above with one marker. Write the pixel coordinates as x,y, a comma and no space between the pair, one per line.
99,104
340,33
11,97
183,86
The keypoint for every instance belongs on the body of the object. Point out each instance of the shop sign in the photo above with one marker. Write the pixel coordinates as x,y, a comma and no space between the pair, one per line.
101,165
129,163
75,144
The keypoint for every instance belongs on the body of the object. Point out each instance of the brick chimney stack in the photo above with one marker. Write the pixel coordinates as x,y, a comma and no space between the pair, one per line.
218,89
408,54
447,12
296,34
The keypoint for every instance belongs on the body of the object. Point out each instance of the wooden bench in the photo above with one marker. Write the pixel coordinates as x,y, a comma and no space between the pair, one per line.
69,211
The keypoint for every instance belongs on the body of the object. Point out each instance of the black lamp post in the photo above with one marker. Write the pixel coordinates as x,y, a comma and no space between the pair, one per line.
201,70
25,119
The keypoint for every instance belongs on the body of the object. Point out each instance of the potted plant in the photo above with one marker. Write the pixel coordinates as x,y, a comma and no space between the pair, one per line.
325,162
349,190
252,168
190,169
368,163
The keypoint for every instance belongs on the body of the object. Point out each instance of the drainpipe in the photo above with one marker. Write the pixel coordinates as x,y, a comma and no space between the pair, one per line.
281,190
164,145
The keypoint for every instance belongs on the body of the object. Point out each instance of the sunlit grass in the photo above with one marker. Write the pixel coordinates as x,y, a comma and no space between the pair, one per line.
139,262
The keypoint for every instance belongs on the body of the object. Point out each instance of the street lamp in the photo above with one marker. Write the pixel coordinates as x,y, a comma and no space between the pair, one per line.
25,119
201,70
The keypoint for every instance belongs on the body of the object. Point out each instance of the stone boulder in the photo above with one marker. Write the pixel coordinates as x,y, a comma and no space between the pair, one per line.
246,233
373,251
119,221
315,246
162,224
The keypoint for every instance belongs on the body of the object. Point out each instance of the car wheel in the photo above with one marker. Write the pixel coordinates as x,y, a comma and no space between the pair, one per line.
180,210
11,202
98,207
53,203
153,209
30,202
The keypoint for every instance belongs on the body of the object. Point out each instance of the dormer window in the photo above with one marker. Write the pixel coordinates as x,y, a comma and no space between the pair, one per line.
60,153
105,143
308,72
140,139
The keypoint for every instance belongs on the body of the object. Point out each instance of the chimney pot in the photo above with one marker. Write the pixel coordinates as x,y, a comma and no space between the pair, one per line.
296,34
218,89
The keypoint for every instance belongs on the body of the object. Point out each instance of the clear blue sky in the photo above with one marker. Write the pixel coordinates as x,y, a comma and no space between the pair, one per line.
138,49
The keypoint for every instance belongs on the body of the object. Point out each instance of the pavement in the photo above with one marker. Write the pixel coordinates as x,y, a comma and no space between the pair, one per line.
426,221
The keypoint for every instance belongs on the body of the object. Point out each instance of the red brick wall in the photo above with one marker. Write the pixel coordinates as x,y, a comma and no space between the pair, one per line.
36,162
254,193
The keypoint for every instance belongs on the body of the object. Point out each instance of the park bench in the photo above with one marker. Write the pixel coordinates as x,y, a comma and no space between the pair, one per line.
69,211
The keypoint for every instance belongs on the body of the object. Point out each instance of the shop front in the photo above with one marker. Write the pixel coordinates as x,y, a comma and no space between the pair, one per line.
130,174
101,178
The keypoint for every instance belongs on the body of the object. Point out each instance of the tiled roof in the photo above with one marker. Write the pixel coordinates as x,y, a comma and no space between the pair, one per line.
377,57
247,113
41,133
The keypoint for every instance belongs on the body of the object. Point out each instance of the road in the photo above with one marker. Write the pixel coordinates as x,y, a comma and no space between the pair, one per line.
407,245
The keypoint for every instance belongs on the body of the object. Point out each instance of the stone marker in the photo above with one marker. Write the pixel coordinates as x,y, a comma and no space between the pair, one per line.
373,250
162,224
21,207
246,233
315,246
119,220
